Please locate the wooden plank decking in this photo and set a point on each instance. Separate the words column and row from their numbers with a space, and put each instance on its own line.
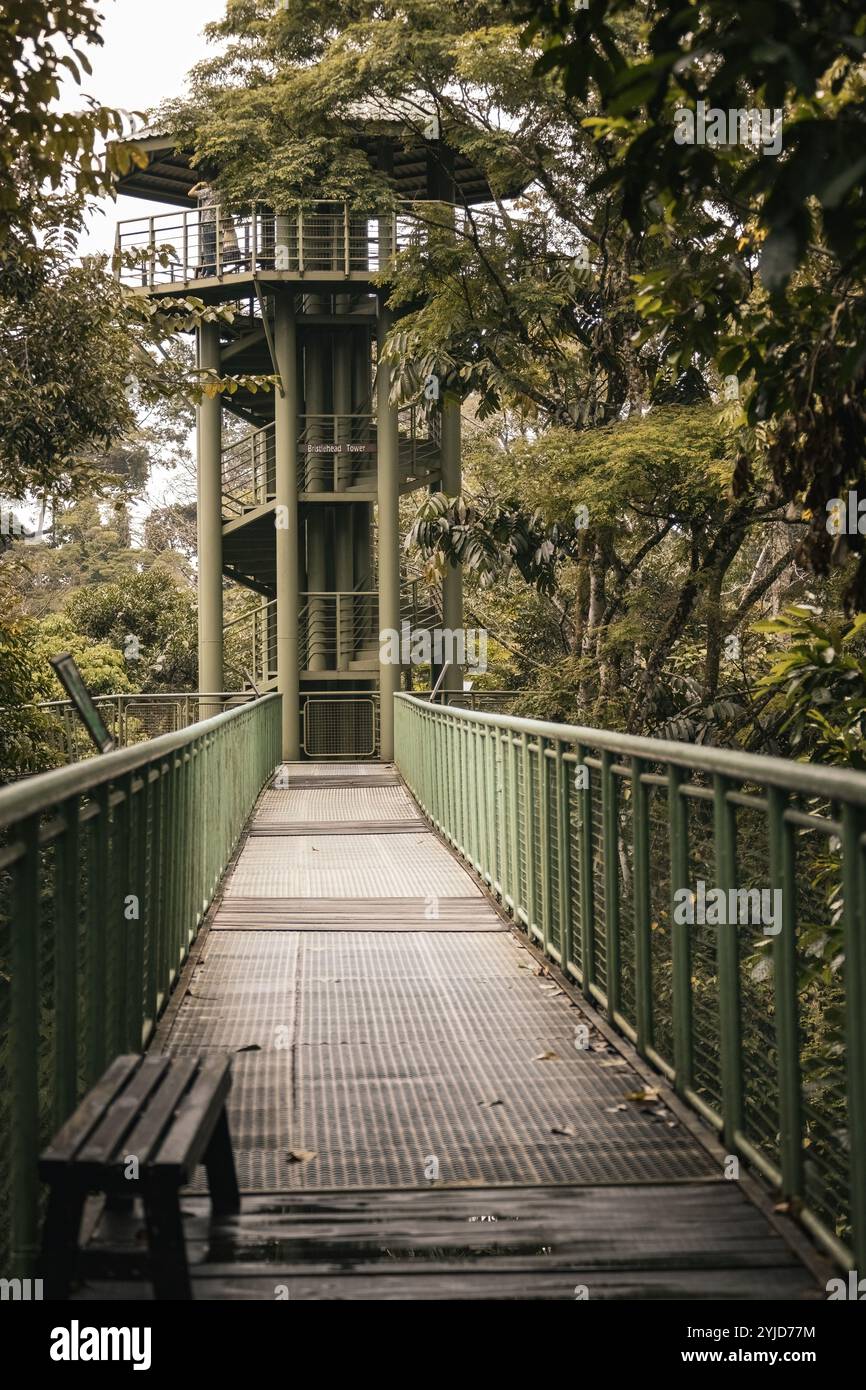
column 411, row 1117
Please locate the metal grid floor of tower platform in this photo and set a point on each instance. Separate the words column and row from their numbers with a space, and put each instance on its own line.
column 405, row 1073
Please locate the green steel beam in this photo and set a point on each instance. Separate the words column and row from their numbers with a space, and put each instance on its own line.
column 288, row 538
column 209, row 513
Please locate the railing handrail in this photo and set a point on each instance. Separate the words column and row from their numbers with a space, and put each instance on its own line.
column 46, row 789
column 832, row 783
column 253, row 611
column 133, row 695
column 403, row 207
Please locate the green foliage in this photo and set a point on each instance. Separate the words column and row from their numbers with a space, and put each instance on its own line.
column 769, row 285
column 41, row 145
column 148, row 619
column 820, row 681
column 103, row 668
column 25, row 733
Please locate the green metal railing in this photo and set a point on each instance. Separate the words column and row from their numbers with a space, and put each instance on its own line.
column 106, row 870
column 593, row 839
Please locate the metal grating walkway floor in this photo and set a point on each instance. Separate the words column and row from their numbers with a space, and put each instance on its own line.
column 391, row 1032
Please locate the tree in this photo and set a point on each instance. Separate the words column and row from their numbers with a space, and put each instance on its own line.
column 771, row 285
column 148, row 619
column 41, row 146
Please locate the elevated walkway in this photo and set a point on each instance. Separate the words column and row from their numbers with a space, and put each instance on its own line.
column 420, row 1108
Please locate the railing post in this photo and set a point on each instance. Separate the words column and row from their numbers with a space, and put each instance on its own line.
column 728, row 955
column 97, row 934
column 24, row 1045
column 610, row 855
column 528, row 833
column 563, row 825
column 587, row 896
column 854, row 929
column 681, row 962
column 546, row 846
column 642, row 909
column 785, row 989
column 66, row 908
column 514, row 842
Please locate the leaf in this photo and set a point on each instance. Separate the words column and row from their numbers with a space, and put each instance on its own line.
column 562, row 1129
column 548, row 1056
column 300, row 1155
column 647, row 1093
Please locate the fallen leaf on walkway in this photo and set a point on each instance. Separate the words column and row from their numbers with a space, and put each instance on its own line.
column 612, row 1109
column 614, row 1062
column 548, row 1056
column 300, row 1155
column 250, row 1047
column 562, row 1129
column 496, row 1101
column 648, row 1093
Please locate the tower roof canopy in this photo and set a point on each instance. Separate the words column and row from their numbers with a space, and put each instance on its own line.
column 418, row 169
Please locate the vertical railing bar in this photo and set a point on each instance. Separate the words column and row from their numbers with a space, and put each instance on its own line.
column 854, row 936
column 66, row 966
column 546, row 856
column 642, row 909
column 563, row 792
column 97, row 935
column 587, row 894
column 514, row 850
column 785, row 993
column 728, row 957
column 681, row 963
column 610, row 862
column 528, row 833
column 24, row 1016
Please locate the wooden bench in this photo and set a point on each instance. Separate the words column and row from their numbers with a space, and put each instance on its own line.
column 140, row 1131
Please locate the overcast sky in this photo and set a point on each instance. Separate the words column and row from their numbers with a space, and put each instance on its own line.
column 146, row 53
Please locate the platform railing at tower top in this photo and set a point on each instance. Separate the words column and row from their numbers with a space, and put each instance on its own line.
column 107, row 868
column 606, row 850
column 332, row 240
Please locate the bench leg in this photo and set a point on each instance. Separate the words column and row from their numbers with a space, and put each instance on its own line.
column 169, row 1269
column 60, row 1239
column 219, row 1161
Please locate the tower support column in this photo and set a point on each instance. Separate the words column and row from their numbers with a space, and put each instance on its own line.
column 388, row 472
column 209, row 526
column 286, row 517
column 452, row 582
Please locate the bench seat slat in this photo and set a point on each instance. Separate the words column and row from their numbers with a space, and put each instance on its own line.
column 103, row 1144
column 150, row 1130
column 187, row 1139
column 87, row 1116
